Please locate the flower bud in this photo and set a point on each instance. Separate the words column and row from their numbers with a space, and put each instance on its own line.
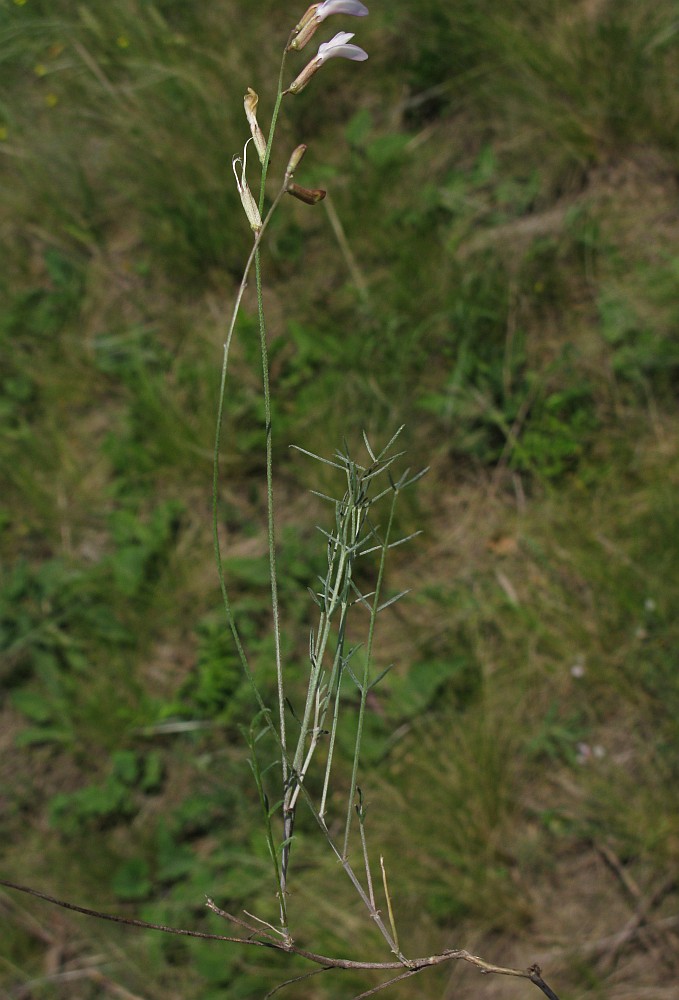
column 295, row 160
column 305, row 29
column 317, row 13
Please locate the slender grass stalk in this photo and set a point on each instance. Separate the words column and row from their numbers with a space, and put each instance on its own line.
column 390, row 910
column 364, row 847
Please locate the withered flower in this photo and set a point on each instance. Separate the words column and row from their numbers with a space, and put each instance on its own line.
column 250, row 102
column 247, row 200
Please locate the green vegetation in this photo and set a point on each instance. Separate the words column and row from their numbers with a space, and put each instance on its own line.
column 497, row 270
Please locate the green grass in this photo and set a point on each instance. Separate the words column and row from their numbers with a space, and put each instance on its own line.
column 505, row 179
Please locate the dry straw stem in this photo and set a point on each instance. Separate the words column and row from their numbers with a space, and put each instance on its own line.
column 412, row 966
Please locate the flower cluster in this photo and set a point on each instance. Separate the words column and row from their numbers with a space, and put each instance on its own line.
column 337, row 46
column 340, row 45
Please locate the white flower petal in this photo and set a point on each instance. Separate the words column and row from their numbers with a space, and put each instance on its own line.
column 329, row 7
column 338, row 46
column 341, row 38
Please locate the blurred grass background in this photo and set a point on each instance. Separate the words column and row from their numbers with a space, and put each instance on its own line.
column 505, row 175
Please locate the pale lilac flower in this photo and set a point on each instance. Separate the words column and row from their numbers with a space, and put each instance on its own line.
column 337, row 46
column 317, row 13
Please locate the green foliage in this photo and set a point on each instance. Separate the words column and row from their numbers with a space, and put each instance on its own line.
column 216, row 688
column 34, row 324
column 56, row 619
column 641, row 327
column 52, row 618
column 114, row 800
column 585, row 82
column 421, row 686
column 131, row 881
column 495, row 408
column 141, row 547
column 557, row 738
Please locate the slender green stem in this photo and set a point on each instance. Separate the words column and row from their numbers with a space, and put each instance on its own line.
column 272, row 130
column 271, row 527
column 217, row 546
column 336, row 683
column 288, row 819
column 215, row 460
column 365, row 686
column 254, row 257
column 316, row 670
column 266, row 812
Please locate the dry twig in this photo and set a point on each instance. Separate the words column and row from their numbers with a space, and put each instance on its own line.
column 408, row 967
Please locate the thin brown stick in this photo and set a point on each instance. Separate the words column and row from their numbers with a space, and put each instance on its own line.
column 131, row 921
column 536, row 977
column 415, row 965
